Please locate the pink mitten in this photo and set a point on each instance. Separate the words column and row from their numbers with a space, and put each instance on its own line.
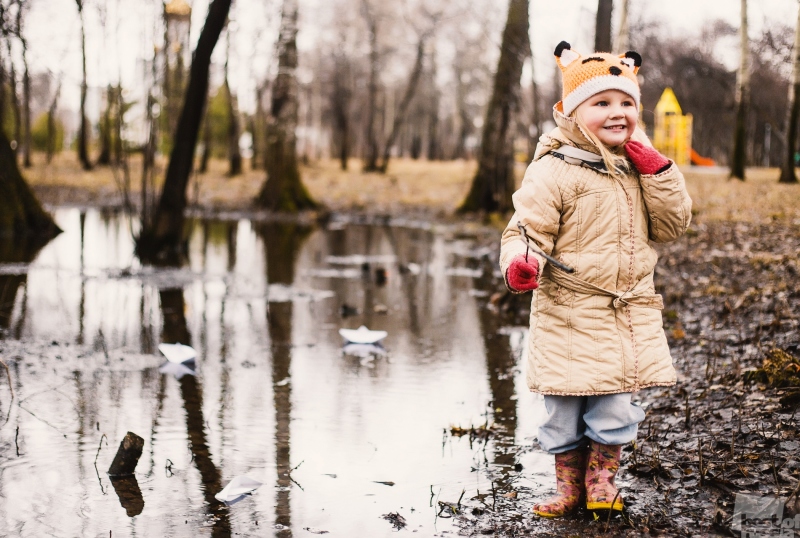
column 647, row 160
column 523, row 275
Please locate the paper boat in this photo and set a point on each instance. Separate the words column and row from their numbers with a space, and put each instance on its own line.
column 362, row 335
column 177, row 353
column 237, row 488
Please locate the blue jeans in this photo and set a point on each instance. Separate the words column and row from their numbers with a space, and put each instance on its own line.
column 611, row 419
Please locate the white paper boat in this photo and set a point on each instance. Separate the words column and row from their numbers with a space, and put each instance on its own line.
column 362, row 335
column 237, row 488
column 177, row 353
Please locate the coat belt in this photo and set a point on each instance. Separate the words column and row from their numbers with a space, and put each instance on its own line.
column 638, row 295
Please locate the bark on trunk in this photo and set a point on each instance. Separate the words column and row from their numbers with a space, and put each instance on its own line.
column 83, row 130
column 739, row 156
column 162, row 241
column 434, row 144
column 602, row 33
column 283, row 190
column 403, row 108
column 788, row 173
column 494, row 181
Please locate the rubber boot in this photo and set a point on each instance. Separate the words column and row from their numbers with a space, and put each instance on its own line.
column 570, row 469
column 601, row 468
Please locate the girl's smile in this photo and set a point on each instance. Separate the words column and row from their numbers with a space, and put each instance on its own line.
column 610, row 115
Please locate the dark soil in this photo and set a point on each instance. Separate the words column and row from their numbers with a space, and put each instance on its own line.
column 731, row 423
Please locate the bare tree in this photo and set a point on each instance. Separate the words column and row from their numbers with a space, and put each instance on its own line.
column 284, row 190
column 26, row 88
column 83, row 129
column 341, row 97
column 15, row 104
column 738, row 160
column 161, row 241
column 52, row 134
column 400, row 114
column 788, row 174
column 602, row 32
column 371, row 18
column 494, row 181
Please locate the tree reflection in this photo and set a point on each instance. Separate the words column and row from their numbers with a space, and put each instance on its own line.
column 282, row 243
column 21, row 251
column 176, row 330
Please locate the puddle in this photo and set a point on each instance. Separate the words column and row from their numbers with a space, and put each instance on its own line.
column 342, row 440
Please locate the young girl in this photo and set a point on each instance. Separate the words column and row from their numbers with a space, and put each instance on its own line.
column 594, row 196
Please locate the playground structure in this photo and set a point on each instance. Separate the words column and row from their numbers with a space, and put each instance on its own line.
column 673, row 132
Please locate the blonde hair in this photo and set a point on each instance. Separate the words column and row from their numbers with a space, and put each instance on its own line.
column 616, row 164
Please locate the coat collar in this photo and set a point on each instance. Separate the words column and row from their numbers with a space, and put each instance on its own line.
column 567, row 132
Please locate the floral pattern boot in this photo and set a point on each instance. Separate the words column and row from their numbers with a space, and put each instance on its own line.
column 570, row 469
column 601, row 468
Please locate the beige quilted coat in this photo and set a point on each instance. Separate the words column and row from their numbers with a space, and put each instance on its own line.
column 599, row 330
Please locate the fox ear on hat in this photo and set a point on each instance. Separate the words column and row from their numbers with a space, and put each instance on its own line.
column 565, row 55
column 632, row 59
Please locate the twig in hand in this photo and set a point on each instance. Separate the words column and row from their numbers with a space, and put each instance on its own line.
column 531, row 245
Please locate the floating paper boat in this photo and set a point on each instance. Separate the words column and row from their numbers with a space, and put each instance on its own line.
column 177, row 353
column 362, row 335
column 237, row 488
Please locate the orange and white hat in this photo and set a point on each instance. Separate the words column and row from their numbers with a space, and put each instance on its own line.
column 584, row 77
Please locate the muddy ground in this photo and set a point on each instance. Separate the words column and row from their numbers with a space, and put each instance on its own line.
column 731, row 423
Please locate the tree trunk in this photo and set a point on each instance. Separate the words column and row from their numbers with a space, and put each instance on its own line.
column 284, row 190
column 434, row 144
column 602, row 31
column 234, row 155
column 464, row 124
column 340, row 108
column 788, row 173
column 259, row 128
column 104, row 158
column 494, row 181
column 15, row 106
column 622, row 43
column 371, row 161
column 26, row 110
column 52, row 135
column 83, row 130
column 21, row 214
column 162, row 241
column 739, row 157
column 403, row 108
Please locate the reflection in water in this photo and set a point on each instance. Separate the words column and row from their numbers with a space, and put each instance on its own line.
column 129, row 493
column 14, row 251
column 377, row 418
column 282, row 243
column 176, row 330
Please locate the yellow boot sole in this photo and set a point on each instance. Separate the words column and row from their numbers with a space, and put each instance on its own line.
column 617, row 505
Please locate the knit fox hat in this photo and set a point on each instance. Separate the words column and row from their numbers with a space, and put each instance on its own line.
column 584, row 77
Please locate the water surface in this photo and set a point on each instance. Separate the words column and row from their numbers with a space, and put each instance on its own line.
column 339, row 440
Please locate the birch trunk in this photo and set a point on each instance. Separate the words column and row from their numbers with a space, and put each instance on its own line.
column 739, row 157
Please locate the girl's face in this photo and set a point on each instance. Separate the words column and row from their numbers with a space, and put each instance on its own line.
column 610, row 115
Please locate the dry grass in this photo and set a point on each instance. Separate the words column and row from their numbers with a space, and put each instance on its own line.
column 432, row 186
